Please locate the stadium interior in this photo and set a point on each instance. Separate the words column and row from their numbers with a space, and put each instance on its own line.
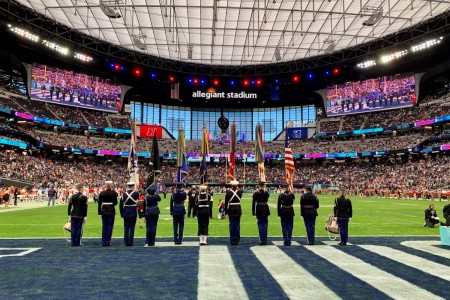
column 358, row 90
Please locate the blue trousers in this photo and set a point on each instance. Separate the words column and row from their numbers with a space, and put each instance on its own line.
column 107, row 229
column 129, row 223
column 287, row 224
column 76, row 226
column 343, row 229
column 51, row 199
column 151, row 223
column 310, row 225
column 235, row 229
column 263, row 223
column 178, row 227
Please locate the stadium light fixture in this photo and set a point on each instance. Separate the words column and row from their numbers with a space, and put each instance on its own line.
column 366, row 64
column 56, row 47
column 24, row 33
column 110, row 11
column 139, row 42
column 83, row 57
column 390, row 57
column 375, row 17
column 190, row 48
column 277, row 54
column 426, row 44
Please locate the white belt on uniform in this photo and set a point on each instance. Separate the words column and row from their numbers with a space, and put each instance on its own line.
column 235, row 203
column 203, row 206
column 107, row 203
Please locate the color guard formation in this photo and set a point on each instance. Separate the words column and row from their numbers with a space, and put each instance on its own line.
column 129, row 204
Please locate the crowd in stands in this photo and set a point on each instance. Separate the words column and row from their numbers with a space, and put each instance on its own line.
column 120, row 122
column 392, row 173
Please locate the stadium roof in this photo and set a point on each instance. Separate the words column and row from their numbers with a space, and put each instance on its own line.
column 237, row 33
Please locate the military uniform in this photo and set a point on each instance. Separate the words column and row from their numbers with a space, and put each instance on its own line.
column 106, row 202
column 151, row 211
column 343, row 212
column 77, row 211
column 128, row 211
column 286, row 213
column 202, row 204
column 260, row 209
column 178, row 212
column 234, row 211
column 308, row 210
column 193, row 194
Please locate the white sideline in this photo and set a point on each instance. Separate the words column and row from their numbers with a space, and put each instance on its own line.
column 24, row 252
column 428, row 247
column 410, row 260
column 217, row 276
column 385, row 282
column 293, row 279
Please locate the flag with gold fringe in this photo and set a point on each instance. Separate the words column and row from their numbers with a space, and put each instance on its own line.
column 133, row 170
column 232, row 152
column 289, row 163
column 205, row 152
column 183, row 170
column 259, row 153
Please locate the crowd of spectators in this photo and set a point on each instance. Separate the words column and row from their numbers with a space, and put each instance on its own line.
column 392, row 173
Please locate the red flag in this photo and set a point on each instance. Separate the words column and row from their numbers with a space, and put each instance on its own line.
column 232, row 151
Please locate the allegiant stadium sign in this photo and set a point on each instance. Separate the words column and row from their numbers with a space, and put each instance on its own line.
column 224, row 95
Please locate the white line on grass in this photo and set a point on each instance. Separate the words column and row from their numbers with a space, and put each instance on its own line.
column 428, row 247
column 217, row 276
column 385, row 282
column 410, row 260
column 293, row 279
column 24, row 251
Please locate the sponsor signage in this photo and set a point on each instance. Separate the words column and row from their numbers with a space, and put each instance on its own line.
column 146, row 131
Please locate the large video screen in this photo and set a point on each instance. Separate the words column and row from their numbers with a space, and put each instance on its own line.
column 75, row 89
column 386, row 92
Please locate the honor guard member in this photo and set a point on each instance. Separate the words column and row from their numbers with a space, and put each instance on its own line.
column 234, row 211
column 203, row 204
column 151, row 211
column 128, row 211
column 260, row 209
column 77, row 212
column 107, row 200
column 192, row 197
column 178, row 212
column 343, row 212
column 285, row 209
column 308, row 210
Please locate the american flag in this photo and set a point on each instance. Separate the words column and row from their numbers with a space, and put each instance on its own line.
column 289, row 163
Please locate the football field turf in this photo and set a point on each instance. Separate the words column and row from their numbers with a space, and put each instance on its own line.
column 391, row 256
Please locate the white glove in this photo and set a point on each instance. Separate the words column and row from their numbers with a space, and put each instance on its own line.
column 349, row 219
column 85, row 218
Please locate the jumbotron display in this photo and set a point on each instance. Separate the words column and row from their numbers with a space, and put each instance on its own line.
column 386, row 92
column 75, row 89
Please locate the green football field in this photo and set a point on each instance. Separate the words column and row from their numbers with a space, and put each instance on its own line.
column 371, row 217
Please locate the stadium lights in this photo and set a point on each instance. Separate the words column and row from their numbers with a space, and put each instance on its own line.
column 426, row 44
column 24, row 33
column 83, row 57
column 366, row 64
column 390, row 57
column 56, row 47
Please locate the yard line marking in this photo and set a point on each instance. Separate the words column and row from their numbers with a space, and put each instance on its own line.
column 217, row 275
column 292, row 278
column 281, row 243
column 334, row 243
column 411, row 260
column 385, row 282
column 24, row 252
column 428, row 246
column 172, row 244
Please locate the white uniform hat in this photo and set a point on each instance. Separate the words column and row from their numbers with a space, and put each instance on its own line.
column 203, row 187
column 109, row 182
column 131, row 183
column 234, row 182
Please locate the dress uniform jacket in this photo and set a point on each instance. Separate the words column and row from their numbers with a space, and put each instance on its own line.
column 79, row 205
column 106, row 202
column 285, row 207
column 177, row 203
column 260, row 207
column 309, row 205
column 232, row 203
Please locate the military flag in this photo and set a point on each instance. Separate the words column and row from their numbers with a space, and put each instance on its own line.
column 183, row 170
column 133, row 169
column 232, row 152
column 154, row 166
column 205, row 152
column 259, row 153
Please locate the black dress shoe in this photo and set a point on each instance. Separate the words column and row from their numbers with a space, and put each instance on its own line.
column 343, row 244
